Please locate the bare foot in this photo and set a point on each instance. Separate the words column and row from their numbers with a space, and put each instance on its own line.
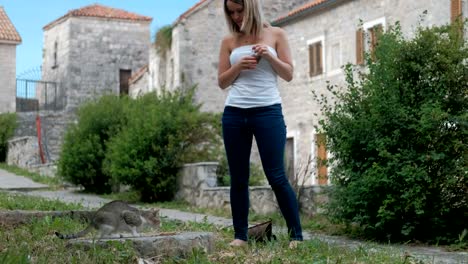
column 294, row 244
column 238, row 243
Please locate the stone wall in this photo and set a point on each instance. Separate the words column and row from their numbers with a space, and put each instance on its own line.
column 53, row 126
column 197, row 186
column 23, row 152
column 7, row 77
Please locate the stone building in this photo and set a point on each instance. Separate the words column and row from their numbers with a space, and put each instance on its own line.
column 323, row 38
column 9, row 39
column 88, row 52
column 341, row 32
column 93, row 51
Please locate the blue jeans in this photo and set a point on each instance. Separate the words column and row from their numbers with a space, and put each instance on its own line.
column 268, row 127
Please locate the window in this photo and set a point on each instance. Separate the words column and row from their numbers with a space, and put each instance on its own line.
column 55, row 65
column 367, row 39
column 315, row 58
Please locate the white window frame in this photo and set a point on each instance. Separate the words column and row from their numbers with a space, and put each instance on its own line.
column 324, row 60
column 370, row 24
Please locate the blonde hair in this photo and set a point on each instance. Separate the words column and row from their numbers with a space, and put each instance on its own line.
column 253, row 20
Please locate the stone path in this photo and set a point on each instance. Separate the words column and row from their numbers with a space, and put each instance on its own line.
column 19, row 184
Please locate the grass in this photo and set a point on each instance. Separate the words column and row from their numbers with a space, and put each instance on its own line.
column 36, row 243
column 53, row 182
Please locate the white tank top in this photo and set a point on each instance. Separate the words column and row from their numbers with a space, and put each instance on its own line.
column 256, row 87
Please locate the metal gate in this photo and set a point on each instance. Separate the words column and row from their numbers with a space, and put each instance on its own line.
column 34, row 95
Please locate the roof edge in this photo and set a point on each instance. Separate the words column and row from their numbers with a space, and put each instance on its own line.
column 191, row 11
column 2, row 41
column 298, row 13
column 72, row 13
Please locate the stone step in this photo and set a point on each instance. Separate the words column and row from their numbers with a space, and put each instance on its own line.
column 160, row 245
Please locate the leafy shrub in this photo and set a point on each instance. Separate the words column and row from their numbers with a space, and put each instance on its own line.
column 85, row 143
column 7, row 130
column 163, row 132
column 398, row 136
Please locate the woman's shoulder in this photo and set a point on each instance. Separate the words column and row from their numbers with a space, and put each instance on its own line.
column 276, row 31
column 229, row 41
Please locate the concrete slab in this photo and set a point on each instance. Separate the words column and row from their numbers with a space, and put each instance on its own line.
column 160, row 245
column 11, row 182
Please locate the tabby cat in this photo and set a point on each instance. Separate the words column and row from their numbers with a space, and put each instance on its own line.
column 117, row 216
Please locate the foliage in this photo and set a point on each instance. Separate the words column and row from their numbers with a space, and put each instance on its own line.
column 398, row 136
column 257, row 176
column 7, row 130
column 164, row 132
column 53, row 182
column 163, row 39
column 85, row 143
column 10, row 201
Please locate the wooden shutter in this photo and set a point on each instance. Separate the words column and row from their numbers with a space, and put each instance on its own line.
column 315, row 59
column 311, row 61
column 318, row 58
column 322, row 169
column 360, row 46
column 455, row 9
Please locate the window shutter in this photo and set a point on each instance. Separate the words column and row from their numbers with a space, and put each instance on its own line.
column 455, row 9
column 315, row 59
column 360, row 47
column 311, row 60
column 319, row 61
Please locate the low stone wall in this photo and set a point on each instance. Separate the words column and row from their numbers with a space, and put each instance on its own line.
column 48, row 169
column 197, row 185
column 23, row 152
column 262, row 199
column 195, row 177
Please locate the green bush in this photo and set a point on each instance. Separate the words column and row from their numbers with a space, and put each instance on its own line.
column 7, row 130
column 163, row 132
column 85, row 143
column 398, row 135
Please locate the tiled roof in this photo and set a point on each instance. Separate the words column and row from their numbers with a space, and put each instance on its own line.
column 303, row 9
column 191, row 10
column 138, row 74
column 7, row 30
column 101, row 11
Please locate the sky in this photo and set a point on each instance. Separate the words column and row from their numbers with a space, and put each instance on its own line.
column 30, row 16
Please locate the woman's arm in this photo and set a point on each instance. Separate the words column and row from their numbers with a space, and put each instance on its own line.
column 227, row 73
column 283, row 63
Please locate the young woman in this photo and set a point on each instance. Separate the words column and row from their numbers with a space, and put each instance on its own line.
column 251, row 58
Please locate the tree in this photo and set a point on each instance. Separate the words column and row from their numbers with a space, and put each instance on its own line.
column 398, row 135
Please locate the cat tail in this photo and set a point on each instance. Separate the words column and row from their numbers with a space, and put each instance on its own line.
column 76, row 235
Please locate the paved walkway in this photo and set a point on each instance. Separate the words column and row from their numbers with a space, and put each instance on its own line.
column 19, row 184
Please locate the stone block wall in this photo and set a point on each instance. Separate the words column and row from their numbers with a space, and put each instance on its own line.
column 23, row 152
column 195, row 177
column 7, row 77
column 197, row 186
column 53, row 126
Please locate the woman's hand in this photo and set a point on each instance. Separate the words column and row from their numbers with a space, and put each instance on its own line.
column 261, row 51
column 247, row 63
